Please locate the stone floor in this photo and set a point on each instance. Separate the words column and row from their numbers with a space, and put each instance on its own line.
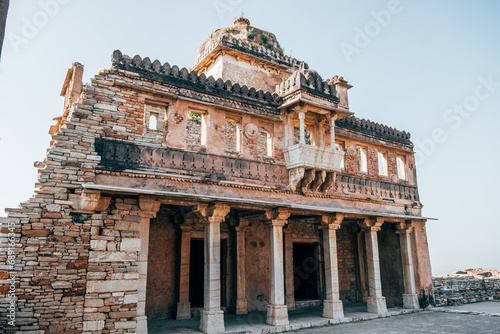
column 254, row 323
column 465, row 319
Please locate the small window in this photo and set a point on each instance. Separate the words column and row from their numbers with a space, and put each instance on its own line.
column 232, row 135
column 401, row 164
column 382, row 164
column 362, row 159
column 340, row 147
column 196, row 129
column 153, row 122
column 265, row 144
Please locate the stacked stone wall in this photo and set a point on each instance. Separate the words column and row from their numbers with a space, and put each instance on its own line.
column 449, row 290
column 346, row 257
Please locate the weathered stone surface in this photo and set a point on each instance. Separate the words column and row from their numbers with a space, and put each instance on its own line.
column 111, row 286
column 96, row 256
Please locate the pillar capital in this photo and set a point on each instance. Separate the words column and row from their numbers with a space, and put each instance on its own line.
column 277, row 217
column 244, row 222
column 89, row 201
column 331, row 222
column 212, row 213
column 149, row 206
column 404, row 227
column 372, row 224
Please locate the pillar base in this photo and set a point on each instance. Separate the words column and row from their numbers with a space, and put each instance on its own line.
column 410, row 301
column 290, row 301
column 183, row 310
column 142, row 325
column 241, row 306
column 212, row 321
column 333, row 309
column 277, row 315
column 376, row 305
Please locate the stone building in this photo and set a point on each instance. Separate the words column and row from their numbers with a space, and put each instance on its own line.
column 245, row 184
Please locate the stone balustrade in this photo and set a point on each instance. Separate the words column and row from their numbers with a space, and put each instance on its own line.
column 310, row 156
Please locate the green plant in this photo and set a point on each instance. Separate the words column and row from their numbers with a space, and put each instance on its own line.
column 264, row 38
column 280, row 50
column 80, row 218
column 194, row 116
column 250, row 34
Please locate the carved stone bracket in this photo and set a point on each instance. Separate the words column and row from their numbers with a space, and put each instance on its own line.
column 277, row 217
column 89, row 201
column 331, row 222
column 371, row 224
column 211, row 213
column 404, row 227
column 149, row 206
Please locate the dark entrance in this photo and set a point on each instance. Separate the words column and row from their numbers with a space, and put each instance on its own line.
column 197, row 272
column 305, row 270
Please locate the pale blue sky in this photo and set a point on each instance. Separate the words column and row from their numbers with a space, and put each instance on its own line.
column 409, row 73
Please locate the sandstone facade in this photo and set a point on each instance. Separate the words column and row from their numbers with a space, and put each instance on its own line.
column 168, row 193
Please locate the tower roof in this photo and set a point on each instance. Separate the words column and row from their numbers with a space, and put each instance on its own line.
column 243, row 38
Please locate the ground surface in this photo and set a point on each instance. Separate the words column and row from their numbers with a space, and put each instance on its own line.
column 466, row 319
column 470, row 318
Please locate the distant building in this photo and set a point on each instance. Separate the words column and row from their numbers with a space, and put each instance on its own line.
column 244, row 184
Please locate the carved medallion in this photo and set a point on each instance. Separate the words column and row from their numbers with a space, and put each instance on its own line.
column 251, row 131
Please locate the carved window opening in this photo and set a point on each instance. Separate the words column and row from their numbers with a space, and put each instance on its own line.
column 340, row 146
column 401, row 165
column 232, row 135
column 196, row 129
column 362, row 159
column 296, row 136
column 382, row 164
column 265, row 144
column 153, row 122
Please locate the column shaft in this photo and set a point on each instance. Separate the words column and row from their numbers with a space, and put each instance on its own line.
column 410, row 298
column 212, row 317
column 149, row 208
column 332, row 305
column 289, row 286
column 277, row 313
column 376, row 302
column 302, row 117
column 241, row 301
column 184, row 306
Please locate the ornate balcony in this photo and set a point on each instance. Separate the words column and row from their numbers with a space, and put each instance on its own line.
column 310, row 156
column 312, row 167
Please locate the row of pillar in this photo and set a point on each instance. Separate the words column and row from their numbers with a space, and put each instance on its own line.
column 212, row 320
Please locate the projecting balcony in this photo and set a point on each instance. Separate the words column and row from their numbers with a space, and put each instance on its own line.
column 312, row 167
column 310, row 156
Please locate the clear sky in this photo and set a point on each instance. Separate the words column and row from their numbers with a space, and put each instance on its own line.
column 427, row 67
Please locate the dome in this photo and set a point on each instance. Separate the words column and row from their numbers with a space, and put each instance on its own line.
column 244, row 32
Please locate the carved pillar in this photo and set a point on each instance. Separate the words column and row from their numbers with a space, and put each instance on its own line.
column 212, row 317
column 332, row 305
column 289, row 286
column 375, row 302
column 184, row 306
column 241, row 298
column 277, row 312
column 410, row 298
column 332, row 131
column 149, row 208
column 302, row 116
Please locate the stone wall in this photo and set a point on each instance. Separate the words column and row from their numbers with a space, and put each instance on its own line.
column 463, row 289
